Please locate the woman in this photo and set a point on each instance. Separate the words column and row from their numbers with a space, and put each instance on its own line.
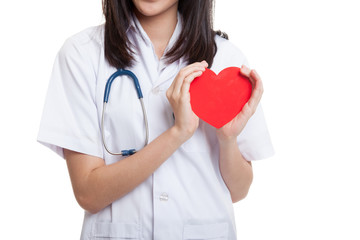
column 183, row 183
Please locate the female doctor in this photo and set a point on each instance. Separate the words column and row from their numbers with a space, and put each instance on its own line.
column 181, row 185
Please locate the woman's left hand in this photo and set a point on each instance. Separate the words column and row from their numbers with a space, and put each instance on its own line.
column 232, row 129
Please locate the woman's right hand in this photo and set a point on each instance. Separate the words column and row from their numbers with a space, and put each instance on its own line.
column 186, row 122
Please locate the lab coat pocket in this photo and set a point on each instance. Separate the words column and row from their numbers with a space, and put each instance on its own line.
column 216, row 231
column 106, row 231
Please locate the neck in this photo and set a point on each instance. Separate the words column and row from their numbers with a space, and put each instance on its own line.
column 159, row 28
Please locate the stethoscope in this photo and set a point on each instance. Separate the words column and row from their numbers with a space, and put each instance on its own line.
column 118, row 73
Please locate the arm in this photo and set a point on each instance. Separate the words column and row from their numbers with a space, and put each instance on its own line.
column 235, row 169
column 97, row 185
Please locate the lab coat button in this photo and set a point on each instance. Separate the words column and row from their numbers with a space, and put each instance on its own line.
column 164, row 197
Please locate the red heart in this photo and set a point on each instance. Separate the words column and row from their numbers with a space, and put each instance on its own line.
column 217, row 99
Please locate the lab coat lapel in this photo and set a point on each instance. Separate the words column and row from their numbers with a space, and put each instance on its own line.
column 147, row 59
column 168, row 72
column 145, row 55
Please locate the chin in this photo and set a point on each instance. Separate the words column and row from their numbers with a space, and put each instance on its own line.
column 154, row 7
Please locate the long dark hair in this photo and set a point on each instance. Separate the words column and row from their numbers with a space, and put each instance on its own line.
column 196, row 41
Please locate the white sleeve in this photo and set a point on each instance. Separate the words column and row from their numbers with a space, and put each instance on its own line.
column 254, row 141
column 70, row 118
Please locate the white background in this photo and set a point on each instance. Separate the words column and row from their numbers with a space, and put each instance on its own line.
column 308, row 54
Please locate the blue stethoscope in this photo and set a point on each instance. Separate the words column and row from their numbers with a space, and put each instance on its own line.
column 118, row 73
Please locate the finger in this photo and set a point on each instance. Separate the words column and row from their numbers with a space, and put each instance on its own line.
column 204, row 63
column 244, row 115
column 254, row 76
column 257, row 90
column 245, row 71
column 183, row 73
column 187, row 81
column 196, row 64
column 176, row 84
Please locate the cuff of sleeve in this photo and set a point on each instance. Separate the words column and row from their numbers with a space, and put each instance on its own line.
column 263, row 153
column 58, row 142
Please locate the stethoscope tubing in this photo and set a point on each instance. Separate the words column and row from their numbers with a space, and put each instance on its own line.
column 116, row 74
column 109, row 82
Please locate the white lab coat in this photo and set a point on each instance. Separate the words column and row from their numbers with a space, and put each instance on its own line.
column 186, row 197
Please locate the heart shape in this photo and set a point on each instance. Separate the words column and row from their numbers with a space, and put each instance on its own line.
column 217, row 99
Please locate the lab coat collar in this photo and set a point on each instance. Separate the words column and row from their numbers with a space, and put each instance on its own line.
column 160, row 71
column 176, row 33
column 136, row 27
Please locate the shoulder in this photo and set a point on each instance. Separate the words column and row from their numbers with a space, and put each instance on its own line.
column 84, row 49
column 87, row 41
column 228, row 54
